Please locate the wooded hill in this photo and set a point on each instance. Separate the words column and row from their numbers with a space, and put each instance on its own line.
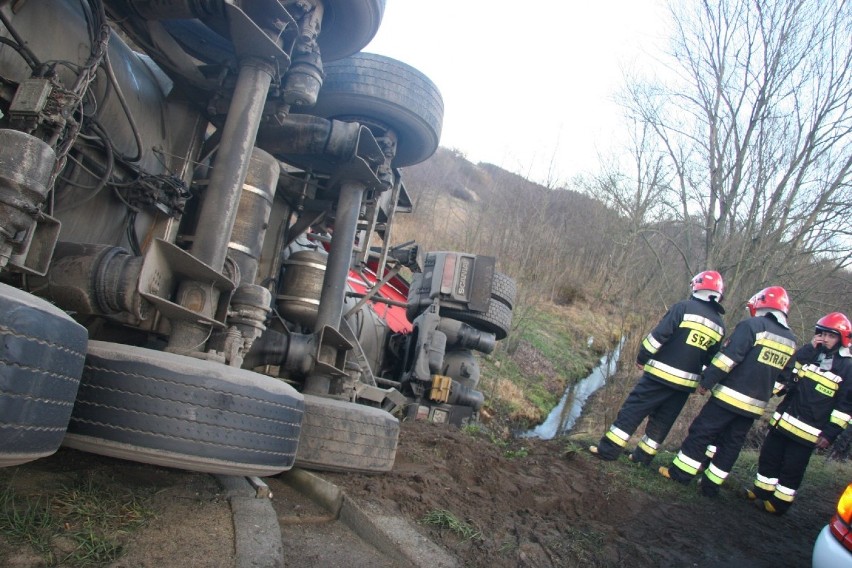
column 563, row 244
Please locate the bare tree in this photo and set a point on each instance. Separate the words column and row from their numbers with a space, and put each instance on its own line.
column 754, row 118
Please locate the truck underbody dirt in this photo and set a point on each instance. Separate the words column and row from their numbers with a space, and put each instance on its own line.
column 197, row 266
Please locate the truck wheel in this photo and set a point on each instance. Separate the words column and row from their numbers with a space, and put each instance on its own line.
column 347, row 27
column 497, row 319
column 41, row 360
column 374, row 89
column 175, row 411
column 504, row 289
column 344, row 436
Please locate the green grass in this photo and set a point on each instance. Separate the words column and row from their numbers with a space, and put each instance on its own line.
column 556, row 341
column 516, row 454
column 555, row 338
column 91, row 516
column 443, row 519
column 28, row 521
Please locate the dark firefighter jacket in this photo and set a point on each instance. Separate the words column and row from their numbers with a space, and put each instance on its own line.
column 818, row 399
column 683, row 343
column 743, row 373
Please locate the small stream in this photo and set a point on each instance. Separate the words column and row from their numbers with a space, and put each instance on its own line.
column 560, row 421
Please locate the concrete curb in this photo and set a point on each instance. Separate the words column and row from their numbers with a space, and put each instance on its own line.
column 392, row 535
column 257, row 536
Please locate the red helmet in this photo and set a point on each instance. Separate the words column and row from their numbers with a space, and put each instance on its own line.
column 773, row 298
column 750, row 305
column 839, row 324
column 711, row 281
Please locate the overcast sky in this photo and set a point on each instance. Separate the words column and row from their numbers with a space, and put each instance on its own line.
column 525, row 83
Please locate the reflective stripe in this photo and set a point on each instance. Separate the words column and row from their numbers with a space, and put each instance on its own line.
column 723, row 362
column 739, row 400
column 651, row 344
column 706, row 322
column 775, row 341
column 834, row 378
column 703, row 325
column 715, row 474
column 672, row 375
column 766, row 483
column 618, row 436
column 785, row 493
column 776, row 388
column 824, row 378
column 686, row 463
column 710, row 451
column 798, row 428
column 648, row 445
column 774, row 420
column 840, row 418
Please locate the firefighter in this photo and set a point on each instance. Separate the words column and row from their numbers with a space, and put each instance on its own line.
column 815, row 410
column 741, row 377
column 672, row 357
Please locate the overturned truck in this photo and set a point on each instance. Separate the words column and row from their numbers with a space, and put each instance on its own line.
column 196, row 261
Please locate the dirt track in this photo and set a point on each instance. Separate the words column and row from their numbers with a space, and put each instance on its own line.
column 547, row 507
column 558, row 508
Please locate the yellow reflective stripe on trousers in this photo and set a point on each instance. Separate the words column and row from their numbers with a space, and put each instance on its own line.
column 710, row 451
column 686, row 463
column 767, row 483
column 671, row 375
column 776, row 342
column 703, row 325
column 798, row 428
column 617, row 436
column 648, row 445
column 723, row 362
column 785, row 493
column 715, row 474
column 840, row 418
column 739, row 400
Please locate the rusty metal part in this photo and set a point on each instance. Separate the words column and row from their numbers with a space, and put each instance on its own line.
column 253, row 213
column 90, row 279
column 26, row 166
column 301, row 287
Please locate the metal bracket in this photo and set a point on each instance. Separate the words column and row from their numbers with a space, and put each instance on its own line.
column 164, row 267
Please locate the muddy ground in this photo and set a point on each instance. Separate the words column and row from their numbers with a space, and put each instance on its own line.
column 530, row 503
column 555, row 505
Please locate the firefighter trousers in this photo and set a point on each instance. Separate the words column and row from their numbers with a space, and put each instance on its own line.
column 780, row 469
column 650, row 399
column 718, row 425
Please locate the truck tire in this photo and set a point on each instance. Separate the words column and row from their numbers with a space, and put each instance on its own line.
column 344, row 436
column 504, row 289
column 41, row 361
column 497, row 319
column 347, row 27
column 373, row 89
column 175, row 411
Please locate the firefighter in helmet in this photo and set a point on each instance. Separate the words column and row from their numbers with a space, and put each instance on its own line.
column 741, row 377
column 672, row 357
column 817, row 390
